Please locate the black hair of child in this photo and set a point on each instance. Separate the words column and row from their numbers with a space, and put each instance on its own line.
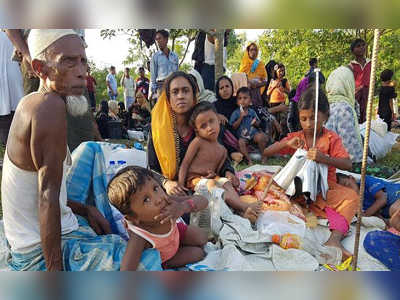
column 277, row 67
column 312, row 61
column 341, row 176
column 354, row 44
column 307, row 100
column 200, row 108
column 243, row 90
column 386, row 75
column 125, row 184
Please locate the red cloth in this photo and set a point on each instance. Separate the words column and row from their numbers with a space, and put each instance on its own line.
column 90, row 82
column 362, row 75
column 329, row 143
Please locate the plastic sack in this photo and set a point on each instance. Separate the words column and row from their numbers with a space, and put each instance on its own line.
column 380, row 127
column 380, row 146
column 132, row 157
column 280, row 222
column 136, row 135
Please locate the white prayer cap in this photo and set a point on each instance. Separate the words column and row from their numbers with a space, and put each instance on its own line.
column 40, row 39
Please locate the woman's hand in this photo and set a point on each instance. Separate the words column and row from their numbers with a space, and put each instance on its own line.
column 173, row 188
column 172, row 211
column 295, row 143
column 232, row 178
column 283, row 108
column 97, row 221
column 278, row 126
column 316, row 155
column 222, row 119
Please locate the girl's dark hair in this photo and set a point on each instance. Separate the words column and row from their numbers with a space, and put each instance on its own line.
column 125, row 184
column 170, row 78
column 386, row 75
column 307, row 101
column 279, row 66
column 200, row 108
column 216, row 87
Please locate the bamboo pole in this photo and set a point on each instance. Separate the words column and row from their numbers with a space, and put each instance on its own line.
column 375, row 50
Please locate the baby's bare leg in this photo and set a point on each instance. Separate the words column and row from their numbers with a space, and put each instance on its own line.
column 394, row 213
column 191, row 249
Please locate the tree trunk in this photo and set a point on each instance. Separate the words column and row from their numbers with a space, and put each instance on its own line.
column 219, row 53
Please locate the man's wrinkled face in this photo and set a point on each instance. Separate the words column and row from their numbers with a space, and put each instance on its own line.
column 65, row 70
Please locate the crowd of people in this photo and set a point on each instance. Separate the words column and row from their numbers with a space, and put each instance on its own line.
column 253, row 111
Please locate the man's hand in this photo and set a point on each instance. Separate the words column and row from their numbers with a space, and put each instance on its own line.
column 97, row 221
column 173, row 188
column 26, row 60
column 172, row 211
column 232, row 178
column 316, row 155
column 394, row 117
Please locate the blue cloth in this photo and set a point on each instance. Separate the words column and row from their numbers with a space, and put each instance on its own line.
column 254, row 65
column 84, row 250
column 385, row 247
column 373, row 185
column 245, row 129
column 113, row 82
column 161, row 66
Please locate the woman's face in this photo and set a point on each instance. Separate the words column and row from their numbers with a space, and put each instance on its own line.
column 253, row 52
column 225, row 89
column 181, row 96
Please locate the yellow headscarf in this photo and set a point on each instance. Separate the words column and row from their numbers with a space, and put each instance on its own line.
column 165, row 137
column 162, row 129
column 246, row 66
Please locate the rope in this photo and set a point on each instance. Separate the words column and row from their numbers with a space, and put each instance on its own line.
column 375, row 50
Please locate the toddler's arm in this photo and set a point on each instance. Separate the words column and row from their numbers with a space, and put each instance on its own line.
column 380, row 202
column 133, row 252
column 238, row 122
column 190, row 154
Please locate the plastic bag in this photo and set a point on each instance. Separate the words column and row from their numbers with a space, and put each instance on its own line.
column 280, row 222
column 136, row 135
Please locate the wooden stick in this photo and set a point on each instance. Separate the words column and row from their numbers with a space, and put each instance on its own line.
column 268, row 186
column 377, row 34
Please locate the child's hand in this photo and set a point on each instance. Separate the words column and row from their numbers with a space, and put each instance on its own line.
column 211, row 175
column 172, row 211
column 254, row 121
column 315, row 155
column 295, row 143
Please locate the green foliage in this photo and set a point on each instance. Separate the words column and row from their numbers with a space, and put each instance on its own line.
column 235, row 51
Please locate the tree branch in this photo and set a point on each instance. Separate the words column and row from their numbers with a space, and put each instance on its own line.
column 190, row 40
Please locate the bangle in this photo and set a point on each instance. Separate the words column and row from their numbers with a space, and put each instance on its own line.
column 191, row 204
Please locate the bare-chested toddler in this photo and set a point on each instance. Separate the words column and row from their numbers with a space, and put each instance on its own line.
column 205, row 158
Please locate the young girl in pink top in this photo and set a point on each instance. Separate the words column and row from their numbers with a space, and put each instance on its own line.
column 151, row 220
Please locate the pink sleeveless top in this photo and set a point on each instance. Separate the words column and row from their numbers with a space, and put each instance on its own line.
column 167, row 244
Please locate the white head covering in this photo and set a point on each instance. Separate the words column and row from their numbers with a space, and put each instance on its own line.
column 40, row 39
column 203, row 95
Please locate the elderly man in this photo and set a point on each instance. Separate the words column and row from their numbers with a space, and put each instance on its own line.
column 44, row 229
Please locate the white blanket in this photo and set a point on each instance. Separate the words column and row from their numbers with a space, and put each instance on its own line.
column 241, row 248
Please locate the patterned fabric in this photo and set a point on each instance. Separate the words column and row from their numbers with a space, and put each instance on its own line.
column 266, row 119
column 385, row 247
column 343, row 123
column 84, row 250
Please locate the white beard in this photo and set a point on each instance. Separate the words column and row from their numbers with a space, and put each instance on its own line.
column 77, row 106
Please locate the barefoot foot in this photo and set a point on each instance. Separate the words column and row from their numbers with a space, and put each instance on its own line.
column 336, row 243
column 251, row 215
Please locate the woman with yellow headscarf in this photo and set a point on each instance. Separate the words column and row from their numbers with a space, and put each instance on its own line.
column 171, row 134
column 256, row 74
